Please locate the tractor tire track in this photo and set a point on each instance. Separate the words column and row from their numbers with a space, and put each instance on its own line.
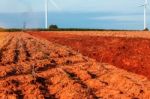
column 4, row 47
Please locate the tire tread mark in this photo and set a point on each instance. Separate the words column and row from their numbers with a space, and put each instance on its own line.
column 3, row 48
column 16, row 52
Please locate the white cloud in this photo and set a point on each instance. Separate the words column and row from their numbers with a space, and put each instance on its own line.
column 120, row 18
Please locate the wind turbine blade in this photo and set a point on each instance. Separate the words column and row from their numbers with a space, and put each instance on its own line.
column 141, row 6
column 146, row 2
column 55, row 4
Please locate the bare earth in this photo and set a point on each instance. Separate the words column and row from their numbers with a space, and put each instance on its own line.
column 129, row 50
column 32, row 68
column 130, row 34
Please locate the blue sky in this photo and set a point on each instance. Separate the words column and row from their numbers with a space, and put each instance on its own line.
column 107, row 14
column 71, row 5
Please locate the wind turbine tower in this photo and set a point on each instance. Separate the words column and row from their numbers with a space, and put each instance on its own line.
column 46, row 14
column 145, row 14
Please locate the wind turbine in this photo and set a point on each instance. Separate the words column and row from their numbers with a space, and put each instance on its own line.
column 145, row 5
column 46, row 14
column 145, row 14
column 46, row 11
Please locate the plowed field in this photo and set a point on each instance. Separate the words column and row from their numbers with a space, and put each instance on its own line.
column 129, row 50
column 32, row 68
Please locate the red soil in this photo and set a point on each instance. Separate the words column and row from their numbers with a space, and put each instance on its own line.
column 32, row 68
column 132, row 54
